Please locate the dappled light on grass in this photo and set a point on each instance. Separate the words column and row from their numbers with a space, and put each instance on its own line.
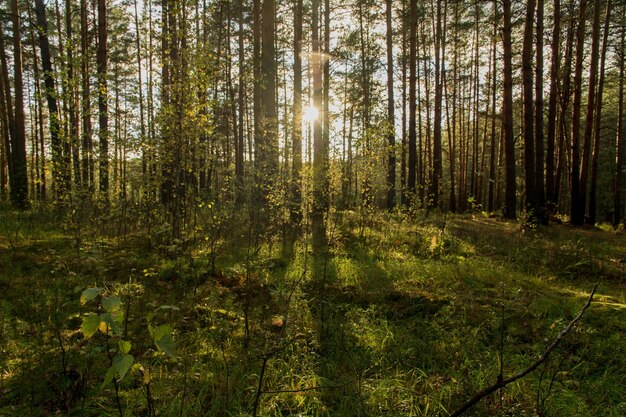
column 404, row 320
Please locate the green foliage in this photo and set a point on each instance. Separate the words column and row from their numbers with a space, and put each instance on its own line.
column 406, row 316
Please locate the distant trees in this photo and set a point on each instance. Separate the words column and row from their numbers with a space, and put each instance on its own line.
column 208, row 101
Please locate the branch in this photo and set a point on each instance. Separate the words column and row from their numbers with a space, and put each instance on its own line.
column 501, row 383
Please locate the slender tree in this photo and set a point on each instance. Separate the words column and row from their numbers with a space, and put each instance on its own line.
column 412, row 168
column 103, row 115
column 391, row 138
column 510, row 199
column 19, row 177
column 593, row 187
column 577, row 210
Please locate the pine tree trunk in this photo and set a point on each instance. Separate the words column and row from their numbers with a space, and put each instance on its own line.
column 19, row 180
column 510, row 199
column 577, row 209
column 103, row 117
column 593, row 187
column 552, row 107
column 391, row 139
column 591, row 104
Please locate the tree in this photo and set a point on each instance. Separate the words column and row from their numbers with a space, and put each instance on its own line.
column 391, row 119
column 103, row 115
column 581, row 199
column 412, row 168
column 593, row 188
column 577, row 210
column 529, row 140
column 19, row 177
column 619, row 135
column 437, row 169
column 510, row 199
column 552, row 105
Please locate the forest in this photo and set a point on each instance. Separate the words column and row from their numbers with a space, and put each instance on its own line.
column 312, row 208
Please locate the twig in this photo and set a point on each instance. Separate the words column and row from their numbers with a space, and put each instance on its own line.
column 501, row 383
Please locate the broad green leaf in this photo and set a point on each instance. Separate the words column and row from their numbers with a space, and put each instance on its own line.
column 122, row 364
column 124, row 346
column 163, row 340
column 161, row 331
column 109, row 376
column 112, row 322
column 111, row 304
column 89, row 294
column 90, row 325
column 166, row 344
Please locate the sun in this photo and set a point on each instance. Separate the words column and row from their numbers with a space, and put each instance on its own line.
column 310, row 113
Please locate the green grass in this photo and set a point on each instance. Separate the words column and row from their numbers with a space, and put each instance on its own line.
column 405, row 317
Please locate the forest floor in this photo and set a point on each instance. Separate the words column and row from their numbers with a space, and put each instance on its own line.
column 403, row 317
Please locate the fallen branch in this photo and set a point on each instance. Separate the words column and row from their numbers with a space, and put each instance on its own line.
column 503, row 382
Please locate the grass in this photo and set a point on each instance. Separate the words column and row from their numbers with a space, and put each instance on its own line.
column 404, row 317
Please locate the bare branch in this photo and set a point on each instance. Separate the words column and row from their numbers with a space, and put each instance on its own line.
column 501, row 383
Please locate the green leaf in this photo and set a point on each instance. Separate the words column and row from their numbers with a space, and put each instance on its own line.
column 124, row 346
column 113, row 323
column 111, row 304
column 166, row 344
column 161, row 331
column 163, row 340
column 168, row 307
column 90, row 325
column 89, row 294
column 122, row 364
column 109, row 376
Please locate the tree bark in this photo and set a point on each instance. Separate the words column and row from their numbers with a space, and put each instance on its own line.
column 577, row 209
column 619, row 137
column 552, row 106
column 391, row 139
column 510, row 199
column 593, row 188
column 103, row 116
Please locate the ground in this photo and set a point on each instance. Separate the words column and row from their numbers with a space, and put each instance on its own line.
column 405, row 316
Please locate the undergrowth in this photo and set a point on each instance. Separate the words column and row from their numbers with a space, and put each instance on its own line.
column 403, row 317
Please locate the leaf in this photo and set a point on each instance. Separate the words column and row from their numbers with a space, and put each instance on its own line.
column 109, row 376
column 163, row 340
column 88, row 295
column 168, row 307
column 111, row 304
column 90, row 325
column 112, row 323
column 166, row 344
column 161, row 331
column 122, row 364
column 124, row 346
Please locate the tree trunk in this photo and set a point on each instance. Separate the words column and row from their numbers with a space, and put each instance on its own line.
column 619, row 136
column 552, row 106
column 593, row 191
column 19, row 179
column 87, row 144
column 577, row 211
column 103, row 117
column 391, row 138
column 591, row 103
column 492, row 148
column 540, row 195
column 510, row 199
column 437, row 170
column 412, row 105
column 529, row 140
column 239, row 151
